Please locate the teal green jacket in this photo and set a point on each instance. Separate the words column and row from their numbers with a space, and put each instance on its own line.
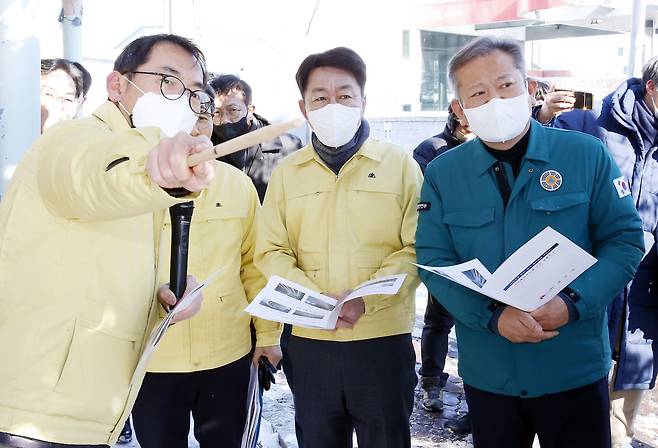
column 463, row 217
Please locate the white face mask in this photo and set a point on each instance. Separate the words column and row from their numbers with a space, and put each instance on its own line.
column 171, row 116
column 499, row 120
column 335, row 124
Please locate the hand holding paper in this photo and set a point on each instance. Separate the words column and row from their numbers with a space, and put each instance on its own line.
column 530, row 277
column 284, row 301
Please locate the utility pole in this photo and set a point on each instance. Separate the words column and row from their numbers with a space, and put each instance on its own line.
column 19, row 83
column 637, row 38
column 71, row 20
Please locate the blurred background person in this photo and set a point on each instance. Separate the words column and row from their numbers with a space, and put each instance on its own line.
column 437, row 321
column 64, row 88
column 630, row 131
column 235, row 116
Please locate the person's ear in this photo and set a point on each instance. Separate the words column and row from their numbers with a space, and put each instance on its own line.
column 363, row 107
column 115, row 86
column 302, row 108
column 459, row 111
column 650, row 86
column 532, row 87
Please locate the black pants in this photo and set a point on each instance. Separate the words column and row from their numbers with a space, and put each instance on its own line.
column 434, row 340
column 217, row 399
column 287, row 370
column 573, row 418
column 367, row 386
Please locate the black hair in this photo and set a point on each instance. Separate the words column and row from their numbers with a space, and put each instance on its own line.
column 80, row 76
column 223, row 84
column 340, row 57
column 138, row 51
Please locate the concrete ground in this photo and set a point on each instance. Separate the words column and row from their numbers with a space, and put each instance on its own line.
column 426, row 428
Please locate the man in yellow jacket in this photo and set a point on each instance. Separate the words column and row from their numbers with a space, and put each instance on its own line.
column 202, row 366
column 79, row 239
column 338, row 212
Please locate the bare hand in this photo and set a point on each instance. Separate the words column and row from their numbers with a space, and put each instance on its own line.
column 167, row 299
column 518, row 326
column 555, row 103
column 351, row 312
column 167, row 163
column 552, row 315
column 272, row 353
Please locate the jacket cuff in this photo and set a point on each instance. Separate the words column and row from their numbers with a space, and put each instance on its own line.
column 269, row 337
column 493, row 321
column 567, row 296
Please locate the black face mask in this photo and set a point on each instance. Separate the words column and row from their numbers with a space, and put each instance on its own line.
column 227, row 131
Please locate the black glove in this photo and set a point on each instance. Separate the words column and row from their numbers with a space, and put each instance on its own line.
column 265, row 373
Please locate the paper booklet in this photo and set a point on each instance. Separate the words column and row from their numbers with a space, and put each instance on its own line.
column 159, row 331
column 284, row 301
column 530, row 277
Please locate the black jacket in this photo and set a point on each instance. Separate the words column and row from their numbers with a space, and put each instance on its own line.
column 430, row 148
column 259, row 161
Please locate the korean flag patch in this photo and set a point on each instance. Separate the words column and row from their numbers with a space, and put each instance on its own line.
column 621, row 184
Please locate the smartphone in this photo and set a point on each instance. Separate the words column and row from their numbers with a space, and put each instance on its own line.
column 584, row 100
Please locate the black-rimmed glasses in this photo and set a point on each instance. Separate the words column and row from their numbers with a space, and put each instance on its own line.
column 173, row 88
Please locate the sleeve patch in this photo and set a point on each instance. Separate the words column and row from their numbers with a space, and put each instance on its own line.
column 622, row 187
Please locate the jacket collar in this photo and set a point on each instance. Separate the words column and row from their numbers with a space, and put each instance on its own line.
column 483, row 160
column 368, row 149
column 109, row 114
column 621, row 102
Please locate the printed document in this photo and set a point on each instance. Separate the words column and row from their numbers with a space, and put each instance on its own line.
column 530, row 277
column 284, row 301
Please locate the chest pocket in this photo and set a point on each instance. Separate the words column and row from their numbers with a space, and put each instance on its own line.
column 559, row 202
column 568, row 213
column 471, row 230
column 216, row 237
column 375, row 211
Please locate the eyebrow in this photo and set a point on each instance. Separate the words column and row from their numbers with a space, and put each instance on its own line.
column 175, row 72
column 343, row 87
column 500, row 78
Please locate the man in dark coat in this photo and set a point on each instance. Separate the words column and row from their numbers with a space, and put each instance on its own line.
column 630, row 130
column 235, row 116
column 438, row 322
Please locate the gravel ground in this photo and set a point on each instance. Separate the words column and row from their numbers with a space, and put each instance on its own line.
column 426, row 428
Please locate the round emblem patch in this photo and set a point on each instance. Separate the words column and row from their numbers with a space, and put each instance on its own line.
column 550, row 180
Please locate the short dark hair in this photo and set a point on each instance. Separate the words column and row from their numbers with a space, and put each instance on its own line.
column 340, row 57
column 650, row 72
column 484, row 46
column 223, row 84
column 138, row 51
column 80, row 76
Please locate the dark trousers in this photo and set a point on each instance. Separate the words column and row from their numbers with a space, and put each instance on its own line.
column 287, row 370
column 573, row 418
column 367, row 386
column 217, row 399
column 434, row 340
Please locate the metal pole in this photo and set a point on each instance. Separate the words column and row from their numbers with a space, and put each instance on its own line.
column 71, row 19
column 637, row 38
column 19, row 83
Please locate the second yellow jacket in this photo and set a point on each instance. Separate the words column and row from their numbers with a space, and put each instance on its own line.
column 222, row 236
column 331, row 232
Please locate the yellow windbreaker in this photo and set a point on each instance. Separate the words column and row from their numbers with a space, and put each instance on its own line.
column 78, row 255
column 222, row 235
column 331, row 232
